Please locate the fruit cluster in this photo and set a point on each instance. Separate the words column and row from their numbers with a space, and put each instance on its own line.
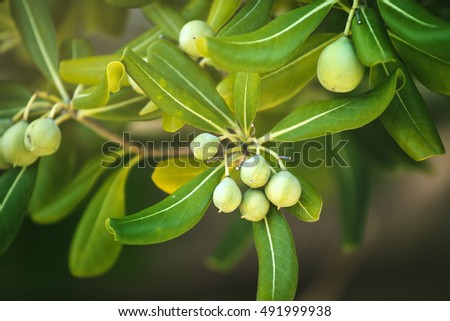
column 21, row 144
column 282, row 189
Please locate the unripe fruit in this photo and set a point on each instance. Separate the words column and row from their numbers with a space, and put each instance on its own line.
column 3, row 163
column 227, row 195
column 338, row 67
column 205, row 146
column 13, row 146
column 42, row 137
column 283, row 189
column 190, row 32
column 255, row 171
column 254, row 206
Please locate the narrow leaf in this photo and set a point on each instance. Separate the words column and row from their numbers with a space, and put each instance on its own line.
column 171, row 124
column 277, row 258
column 407, row 118
column 93, row 251
column 16, row 187
column 254, row 51
column 166, row 18
column 129, row 3
column 13, row 97
column 253, row 15
column 140, row 44
column 247, row 89
column 309, row 207
column 172, row 173
column 319, row 118
column 101, row 18
column 233, row 245
column 170, row 218
column 221, row 11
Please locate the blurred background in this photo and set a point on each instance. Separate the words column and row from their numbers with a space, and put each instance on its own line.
column 404, row 255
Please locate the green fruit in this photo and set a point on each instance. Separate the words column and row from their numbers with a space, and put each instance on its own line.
column 255, row 172
column 227, row 195
column 338, row 67
column 3, row 163
column 190, row 32
column 13, row 146
column 283, row 189
column 205, row 146
column 43, row 137
column 254, row 206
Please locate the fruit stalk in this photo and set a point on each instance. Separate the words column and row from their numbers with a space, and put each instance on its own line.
column 350, row 17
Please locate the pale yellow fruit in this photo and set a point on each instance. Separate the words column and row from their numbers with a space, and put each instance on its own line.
column 283, row 189
column 13, row 146
column 205, row 146
column 227, row 195
column 190, row 32
column 255, row 172
column 338, row 67
column 42, row 137
column 254, row 206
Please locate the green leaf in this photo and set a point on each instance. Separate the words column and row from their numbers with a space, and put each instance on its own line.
column 123, row 106
column 196, row 9
column 221, row 11
column 171, row 124
column 93, row 251
column 333, row 116
column 172, row 173
column 76, row 48
column 309, row 207
column 86, row 70
column 166, row 18
column 422, row 41
column 233, row 245
column 371, row 39
column 13, row 97
column 98, row 96
column 253, row 15
column 16, row 187
column 35, row 25
column 354, row 185
column 246, row 98
column 178, row 86
column 129, row 3
column 254, row 51
column 407, row 118
column 277, row 258
column 170, row 218
column 140, row 44
column 71, row 195
column 101, row 18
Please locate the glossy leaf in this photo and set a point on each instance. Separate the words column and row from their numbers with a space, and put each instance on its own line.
column 354, row 186
column 422, row 41
column 254, row 51
column 232, row 246
column 98, row 96
column 309, row 207
column 172, row 173
column 370, row 38
column 166, row 18
column 34, row 22
column 171, row 124
column 247, row 88
column 407, row 118
column 93, row 251
column 129, row 3
column 333, row 116
column 123, row 106
column 16, row 187
column 221, row 11
column 170, row 218
column 253, row 15
column 86, row 70
column 71, row 195
column 168, row 79
column 277, row 258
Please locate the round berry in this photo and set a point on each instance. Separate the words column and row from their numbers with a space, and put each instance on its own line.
column 13, row 146
column 190, row 32
column 283, row 189
column 42, row 137
column 254, row 206
column 227, row 195
column 255, row 172
column 205, row 146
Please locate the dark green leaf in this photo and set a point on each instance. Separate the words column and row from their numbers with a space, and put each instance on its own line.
column 371, row 39
column 233, row 245
column 196, row 10
column 101, row 18
column 13, row 97
column 407, row 118
column 255, row 51
column 170, row 218
column 16, row 187
column 166, row 18
column 277, row 258
column 309, row 207
column 247, row 88
column 93, row 251
column 253, row 15
column 319, row 118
